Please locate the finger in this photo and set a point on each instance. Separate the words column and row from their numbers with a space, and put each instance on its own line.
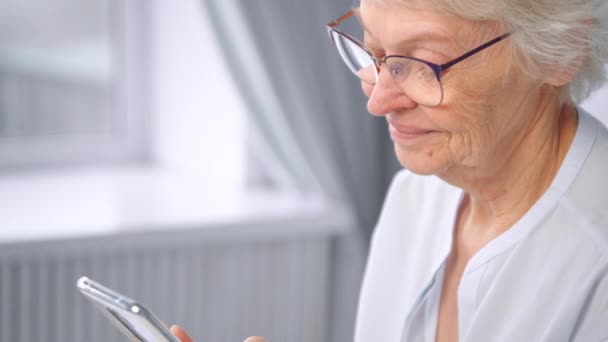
column 255, row 339
column 180, row 333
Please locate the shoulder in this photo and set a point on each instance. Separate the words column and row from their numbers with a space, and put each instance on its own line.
column 597, row 134
column 585, row 203
column 596, row 162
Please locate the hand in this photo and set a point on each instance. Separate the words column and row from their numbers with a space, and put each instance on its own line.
column 183, row 336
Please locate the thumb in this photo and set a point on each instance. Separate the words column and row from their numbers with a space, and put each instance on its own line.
column 255, row 339
column 180, row 333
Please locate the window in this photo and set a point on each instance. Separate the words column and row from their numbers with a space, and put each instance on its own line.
column 161, row 94
column 71, row 82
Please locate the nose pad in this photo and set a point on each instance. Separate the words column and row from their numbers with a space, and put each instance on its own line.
column 387, row 96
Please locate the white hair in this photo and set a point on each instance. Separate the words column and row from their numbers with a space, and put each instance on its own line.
column 562, row 33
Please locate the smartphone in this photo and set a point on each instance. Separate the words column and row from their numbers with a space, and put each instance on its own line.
column 139, row 324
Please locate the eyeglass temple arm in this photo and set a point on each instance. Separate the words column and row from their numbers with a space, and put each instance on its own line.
column 337, row 22
column 475, row 51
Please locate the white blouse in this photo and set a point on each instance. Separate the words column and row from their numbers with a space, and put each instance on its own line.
column 545, row 279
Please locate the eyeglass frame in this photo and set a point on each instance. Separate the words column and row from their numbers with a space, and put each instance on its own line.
column 438, row 69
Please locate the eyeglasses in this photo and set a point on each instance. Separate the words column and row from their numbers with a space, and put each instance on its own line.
column 420, row 80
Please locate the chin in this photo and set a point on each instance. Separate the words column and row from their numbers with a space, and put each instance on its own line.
column 423, row 162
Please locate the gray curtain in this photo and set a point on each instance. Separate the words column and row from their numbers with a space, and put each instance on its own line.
column 310, row 115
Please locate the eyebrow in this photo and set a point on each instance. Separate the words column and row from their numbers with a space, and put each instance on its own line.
column 427, row 36
column 424, row 40
column 420, row 37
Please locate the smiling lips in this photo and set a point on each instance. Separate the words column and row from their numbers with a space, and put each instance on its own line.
column 410, row 129
column 407, row 135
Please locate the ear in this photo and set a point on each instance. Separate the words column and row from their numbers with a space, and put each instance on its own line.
column 562, row 75
column 559, row 75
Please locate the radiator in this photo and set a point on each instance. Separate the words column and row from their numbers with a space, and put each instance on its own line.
column 220, row 290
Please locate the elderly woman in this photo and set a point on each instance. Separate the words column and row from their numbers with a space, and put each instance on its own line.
column 498, row 228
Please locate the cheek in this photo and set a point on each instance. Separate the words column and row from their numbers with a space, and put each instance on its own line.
column 466, row 94
column 466, row 118
column 489, row 102
column 477, row 117
column 472, row 102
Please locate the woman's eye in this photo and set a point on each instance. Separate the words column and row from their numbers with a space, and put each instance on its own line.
column 396, row 69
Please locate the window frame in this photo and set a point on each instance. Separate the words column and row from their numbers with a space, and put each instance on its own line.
column 130, row 40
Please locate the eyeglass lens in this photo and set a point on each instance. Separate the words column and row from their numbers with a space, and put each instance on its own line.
column 416, row 79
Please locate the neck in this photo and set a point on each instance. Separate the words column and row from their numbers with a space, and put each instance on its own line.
column 498, row 195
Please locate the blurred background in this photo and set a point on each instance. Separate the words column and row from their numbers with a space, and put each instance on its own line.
column 212, row 159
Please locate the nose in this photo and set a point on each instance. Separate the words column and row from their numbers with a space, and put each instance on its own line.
column 386, row 96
